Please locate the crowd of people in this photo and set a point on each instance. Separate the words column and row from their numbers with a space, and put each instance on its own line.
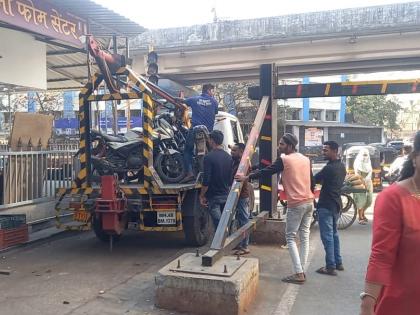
column 392, row 279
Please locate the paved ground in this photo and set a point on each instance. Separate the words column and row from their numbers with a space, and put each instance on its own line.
column 76, row 274
column 323, row 295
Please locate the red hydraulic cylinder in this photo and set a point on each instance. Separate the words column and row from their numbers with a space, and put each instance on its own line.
column 110, row 208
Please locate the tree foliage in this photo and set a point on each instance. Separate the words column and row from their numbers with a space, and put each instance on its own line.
column 46, row 102
column 378, row 110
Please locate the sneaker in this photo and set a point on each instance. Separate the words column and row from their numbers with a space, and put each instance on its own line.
column 340, row 267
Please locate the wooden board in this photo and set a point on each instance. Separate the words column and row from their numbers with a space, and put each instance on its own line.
column 33, row 127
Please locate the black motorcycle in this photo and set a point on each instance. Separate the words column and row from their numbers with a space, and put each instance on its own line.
column 168, row 143
column 117, row 155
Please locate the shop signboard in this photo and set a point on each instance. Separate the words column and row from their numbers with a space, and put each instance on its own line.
column 313, row 137
column 41, row 17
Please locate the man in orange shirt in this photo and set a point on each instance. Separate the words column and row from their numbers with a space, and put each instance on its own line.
column 298, row 185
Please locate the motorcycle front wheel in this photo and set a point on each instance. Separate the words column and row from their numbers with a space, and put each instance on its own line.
column 170, row 167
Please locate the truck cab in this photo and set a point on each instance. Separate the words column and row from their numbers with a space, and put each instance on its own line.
column 230, row 127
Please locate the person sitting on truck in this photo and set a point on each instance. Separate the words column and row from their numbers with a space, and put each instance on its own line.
column 217, row 177
column 204, row 109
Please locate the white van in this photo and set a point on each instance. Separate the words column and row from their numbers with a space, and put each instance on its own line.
column 230, row 127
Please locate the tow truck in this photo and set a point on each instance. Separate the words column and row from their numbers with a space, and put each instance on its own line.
column 112, row 206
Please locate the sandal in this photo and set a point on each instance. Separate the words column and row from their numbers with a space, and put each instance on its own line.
column 327, row 271
column 362, row 222
column 293, row 279
column 242, row 251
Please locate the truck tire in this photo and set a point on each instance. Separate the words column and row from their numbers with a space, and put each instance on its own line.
column 100, row 233
column 195, row 220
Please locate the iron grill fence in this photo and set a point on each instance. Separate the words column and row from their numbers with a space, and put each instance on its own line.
column 32, row 176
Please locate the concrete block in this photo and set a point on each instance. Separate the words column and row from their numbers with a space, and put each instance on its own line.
column 271, row 231
column 34, row 212
column 207, row 290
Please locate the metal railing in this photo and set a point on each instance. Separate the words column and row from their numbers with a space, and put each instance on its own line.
column 59, row 146
column 32, row 176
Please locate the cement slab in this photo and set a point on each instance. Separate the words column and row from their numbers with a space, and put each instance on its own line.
column 192, row 264
column 271, row 231
column 206, row 294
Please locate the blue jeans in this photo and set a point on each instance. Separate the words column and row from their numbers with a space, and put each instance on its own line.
column 216, row 205
column 329, row 235
column 189, row 151
column 242, row 215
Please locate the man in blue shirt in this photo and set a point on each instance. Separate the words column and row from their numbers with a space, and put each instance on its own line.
column 204, row 110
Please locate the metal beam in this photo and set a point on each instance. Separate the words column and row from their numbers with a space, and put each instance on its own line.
column 73, row 65
column 62, row 52
column 211, row 256
column 67, row 79
column 383, row 87
column 345, row 67
column 222, row 230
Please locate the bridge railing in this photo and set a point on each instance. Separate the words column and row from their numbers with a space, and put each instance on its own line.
column 33, row 176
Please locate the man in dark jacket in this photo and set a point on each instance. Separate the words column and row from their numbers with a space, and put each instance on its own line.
column 217, row 177
column 204, row 109
column 329, row 205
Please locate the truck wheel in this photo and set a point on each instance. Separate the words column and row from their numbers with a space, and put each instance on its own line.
column 99, row 232
column 196, row 221
column 196, row 229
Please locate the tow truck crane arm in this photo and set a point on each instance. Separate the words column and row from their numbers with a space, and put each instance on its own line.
column 109, row 64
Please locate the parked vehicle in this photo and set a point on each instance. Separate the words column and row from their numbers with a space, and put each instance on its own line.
column 396, row 144
column 348, row 212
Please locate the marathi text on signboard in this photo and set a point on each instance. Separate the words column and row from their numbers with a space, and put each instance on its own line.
column 41, row 17
column 313, row 137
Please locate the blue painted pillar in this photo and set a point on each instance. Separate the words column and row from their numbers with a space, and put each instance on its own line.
column 31, row 102
column 305, row 107
column 343, row 103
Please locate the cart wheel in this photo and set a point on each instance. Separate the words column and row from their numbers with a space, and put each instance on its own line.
column 348, row 212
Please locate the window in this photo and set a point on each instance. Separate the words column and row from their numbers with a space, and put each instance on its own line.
column 235, row 131
column 331, row 115
column 293, row 114
column 314, row 114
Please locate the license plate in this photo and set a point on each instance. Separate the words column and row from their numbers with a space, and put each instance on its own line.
column 166, row 218
column 81, row 216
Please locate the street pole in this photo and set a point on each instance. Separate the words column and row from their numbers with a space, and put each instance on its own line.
column 10, row 112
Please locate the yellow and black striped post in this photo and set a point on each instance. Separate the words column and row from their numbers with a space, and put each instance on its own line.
column 268, row 139
column 148, row 115
column 82, row 180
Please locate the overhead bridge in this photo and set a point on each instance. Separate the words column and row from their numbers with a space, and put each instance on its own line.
column 371, row 39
